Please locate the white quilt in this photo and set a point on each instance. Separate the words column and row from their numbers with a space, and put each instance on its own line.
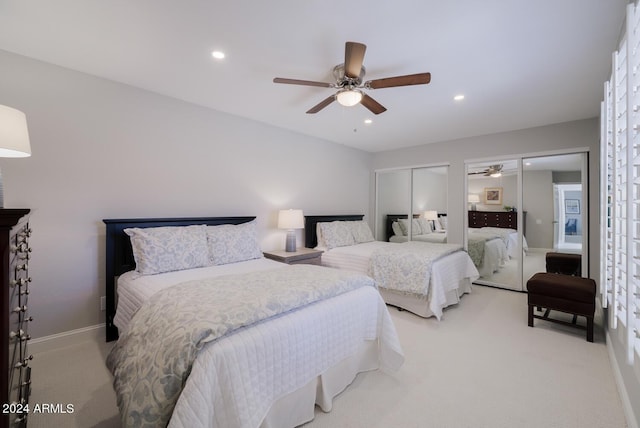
column 407, row 267
column 447, row 273
column 236, row 380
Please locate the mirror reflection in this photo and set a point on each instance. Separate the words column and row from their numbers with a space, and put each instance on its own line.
column 492, row 238
column 421, row 191
column 555, row 200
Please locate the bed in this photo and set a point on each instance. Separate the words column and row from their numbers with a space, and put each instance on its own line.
column 273, row 369
column 444, row 278
column 487, row 247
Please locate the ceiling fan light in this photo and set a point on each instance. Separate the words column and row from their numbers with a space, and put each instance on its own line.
column 348, row 98
column 496, row 174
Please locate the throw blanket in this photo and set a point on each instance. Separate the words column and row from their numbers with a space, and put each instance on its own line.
column 476, row 244
column 153, row 358
column 406, row 267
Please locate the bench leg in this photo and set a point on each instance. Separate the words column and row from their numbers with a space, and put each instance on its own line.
column 530, row 315
column 590, row 329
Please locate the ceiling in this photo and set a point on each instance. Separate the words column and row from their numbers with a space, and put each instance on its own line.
column 519, row 63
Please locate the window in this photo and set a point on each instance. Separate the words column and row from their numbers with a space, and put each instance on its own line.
column 620, row 179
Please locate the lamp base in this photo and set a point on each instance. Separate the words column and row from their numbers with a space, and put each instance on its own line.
column 291, row 242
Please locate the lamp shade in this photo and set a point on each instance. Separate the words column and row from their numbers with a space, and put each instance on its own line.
column 474, row 198
column 290, row 219
column 348, row 97
column 14, row 135
column 431, row 215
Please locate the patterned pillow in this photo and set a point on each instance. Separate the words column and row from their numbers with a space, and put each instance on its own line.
column 230, row 243
column 415, row 227
column 443, row 222
column 425, row 225
column 336, row 234
column 397, row 230
column 360, row 231
column 168, row 248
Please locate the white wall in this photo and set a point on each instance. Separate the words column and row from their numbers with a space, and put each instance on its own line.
column 107, row 150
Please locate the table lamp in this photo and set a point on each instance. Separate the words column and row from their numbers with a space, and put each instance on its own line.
column 14, row 138
column 473, row 200
column 290, row 220
column 431, row 216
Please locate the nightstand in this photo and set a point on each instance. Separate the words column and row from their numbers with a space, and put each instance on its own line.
column 301, row 256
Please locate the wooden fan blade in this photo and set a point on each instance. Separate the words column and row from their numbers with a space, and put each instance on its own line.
column 353, row 58
column 302, row 82
column 321, row 104
column 373, row 105
column 410, row 79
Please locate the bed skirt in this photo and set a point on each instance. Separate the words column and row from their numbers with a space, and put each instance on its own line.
column 298, row 407
column 419, row 305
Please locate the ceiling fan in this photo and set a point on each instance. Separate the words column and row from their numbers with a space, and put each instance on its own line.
column 349, row 82
column 490, row 171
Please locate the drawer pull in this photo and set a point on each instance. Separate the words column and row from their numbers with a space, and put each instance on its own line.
column 19, row 309
column 19, row 281
column 24, row 363
column 21, row 334
column 23, row 266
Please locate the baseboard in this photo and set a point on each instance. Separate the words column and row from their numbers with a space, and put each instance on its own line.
column 67, row 338
column 624, row 397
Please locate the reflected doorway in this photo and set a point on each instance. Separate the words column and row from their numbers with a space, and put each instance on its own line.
column 567, row 231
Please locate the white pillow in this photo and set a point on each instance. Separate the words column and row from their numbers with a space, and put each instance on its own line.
column 443, row 222
column 397, row 230
column 360, row 231
column 416, row 229
column 230, row 243
column 321, row 244
column 425, row 225
column 168, row 248
column 336, row 234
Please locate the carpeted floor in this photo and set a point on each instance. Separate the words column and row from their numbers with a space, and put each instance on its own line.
column 481, row 366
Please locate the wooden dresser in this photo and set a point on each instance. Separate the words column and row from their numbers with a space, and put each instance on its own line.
column 16, row 375
column 503, row 219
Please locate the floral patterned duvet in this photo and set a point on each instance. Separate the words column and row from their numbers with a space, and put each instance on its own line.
column 406, row 267
column 153, row 358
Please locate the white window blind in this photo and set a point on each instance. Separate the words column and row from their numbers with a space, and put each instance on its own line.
column 633, row 171
column 620, row 187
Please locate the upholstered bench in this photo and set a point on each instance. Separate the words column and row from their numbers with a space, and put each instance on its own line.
column 568, row 264
column 565, row 293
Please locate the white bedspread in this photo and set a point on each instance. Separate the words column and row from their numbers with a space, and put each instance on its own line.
column 407, row 268
column 274, row 358
column 446, row 273
column 239, row 379
column 133, row 289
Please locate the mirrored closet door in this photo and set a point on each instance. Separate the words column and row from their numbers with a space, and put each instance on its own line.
column 555, row 198
column 421, row 191
column 495, row 223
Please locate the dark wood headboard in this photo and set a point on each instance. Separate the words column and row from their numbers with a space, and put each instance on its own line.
column 310, row 222
column 119, row 255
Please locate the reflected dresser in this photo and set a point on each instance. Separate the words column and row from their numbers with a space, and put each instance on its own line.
column 16, row 373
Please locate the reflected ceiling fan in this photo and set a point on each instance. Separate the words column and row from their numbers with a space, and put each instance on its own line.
column 490, row 171
column 349, row 82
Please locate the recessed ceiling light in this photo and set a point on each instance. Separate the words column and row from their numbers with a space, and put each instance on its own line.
column 527, row 163
column 217, row 54
column 459, row 97
column 368, row 121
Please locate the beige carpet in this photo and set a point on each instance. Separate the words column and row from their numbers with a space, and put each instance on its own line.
column 481, row 366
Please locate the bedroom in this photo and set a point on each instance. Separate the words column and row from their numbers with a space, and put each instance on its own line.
column 103, row 149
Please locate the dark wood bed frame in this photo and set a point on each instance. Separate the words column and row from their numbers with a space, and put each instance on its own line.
column 119, row 255
column 310, row 222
